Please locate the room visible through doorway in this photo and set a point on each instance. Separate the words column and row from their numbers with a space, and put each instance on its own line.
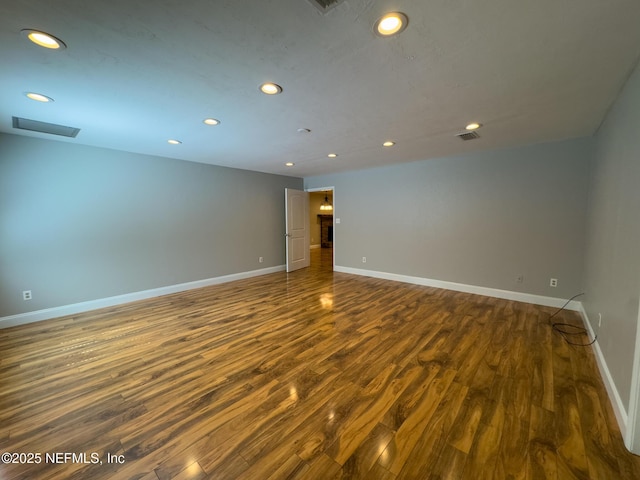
column 321, row 227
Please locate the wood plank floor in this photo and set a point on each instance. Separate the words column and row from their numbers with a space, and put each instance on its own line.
column 307, row 375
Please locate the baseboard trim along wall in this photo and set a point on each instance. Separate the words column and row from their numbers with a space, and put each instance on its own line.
column 38, row 315
column 616, row 402
column 461, row 287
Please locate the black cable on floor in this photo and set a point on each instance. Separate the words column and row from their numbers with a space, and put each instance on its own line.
column 564, row 328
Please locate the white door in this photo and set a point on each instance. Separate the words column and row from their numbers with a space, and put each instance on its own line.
column 297, row 229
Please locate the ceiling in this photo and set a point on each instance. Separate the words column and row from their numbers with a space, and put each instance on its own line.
column 137, row 73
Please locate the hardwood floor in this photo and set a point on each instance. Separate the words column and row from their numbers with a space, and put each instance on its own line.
column 307, row 375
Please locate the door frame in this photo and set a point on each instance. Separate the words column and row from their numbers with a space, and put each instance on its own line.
column 331, row 189
column 632, row 435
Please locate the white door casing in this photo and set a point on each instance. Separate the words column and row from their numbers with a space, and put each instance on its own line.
column 632, row 437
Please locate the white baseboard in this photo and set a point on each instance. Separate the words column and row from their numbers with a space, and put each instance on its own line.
column 461, row 287
column 616, row 402
column 38, row 315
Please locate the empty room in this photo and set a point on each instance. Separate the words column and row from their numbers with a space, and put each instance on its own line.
column 307, row 239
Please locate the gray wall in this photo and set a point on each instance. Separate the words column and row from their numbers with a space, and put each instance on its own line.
column 612, row 267
column 480, row 219
column 81, row 223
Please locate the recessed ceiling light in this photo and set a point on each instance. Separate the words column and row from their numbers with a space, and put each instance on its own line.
column 38, row 97
column 391, row 24
column 332, row 155
column 211, row 121
column 174, row 142
column 43, row 39
column 388, row 143
column 270, row 88
column 289, row 164
column 473, row 126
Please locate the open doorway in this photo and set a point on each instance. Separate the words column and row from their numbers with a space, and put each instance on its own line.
column 321, row 227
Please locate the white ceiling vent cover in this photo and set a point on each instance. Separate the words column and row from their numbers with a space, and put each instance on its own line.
column 44, row 127
column 468, row 136
column 324, row 5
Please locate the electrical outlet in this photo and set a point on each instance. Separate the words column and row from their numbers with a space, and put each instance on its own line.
column 553, row 282
column 599, row 320
column 26, row 295
column 364, row 259
column 520, row 279
column 260, row 259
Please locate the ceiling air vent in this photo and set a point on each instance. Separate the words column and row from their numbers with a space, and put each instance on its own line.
column 325, row 5
column 44, row 127
column 468, row 136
